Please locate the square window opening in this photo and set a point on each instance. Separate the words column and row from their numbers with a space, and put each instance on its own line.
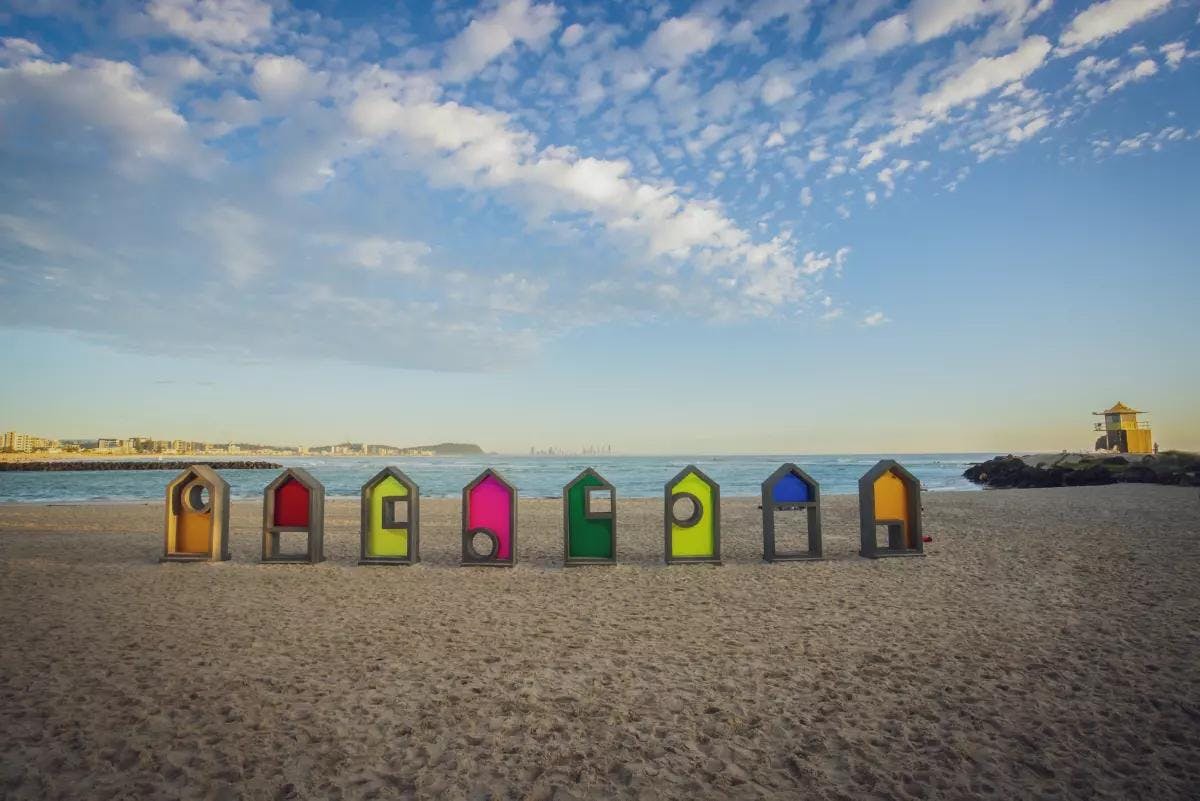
column 599, row 502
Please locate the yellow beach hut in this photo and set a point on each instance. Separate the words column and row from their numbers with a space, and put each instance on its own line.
column 391, row 522
column 692, row 518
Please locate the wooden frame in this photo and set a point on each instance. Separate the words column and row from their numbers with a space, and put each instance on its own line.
column 601, row 518
column 412, row 524
column 811, row 507
column 905, row 538
column 699, row 513
column 314, row 529
column 493, row 559
column 185, row 514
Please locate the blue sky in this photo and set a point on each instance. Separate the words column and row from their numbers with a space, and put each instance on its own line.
column 759, row 226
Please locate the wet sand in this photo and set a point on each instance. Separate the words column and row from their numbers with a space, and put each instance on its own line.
column 1048, row 646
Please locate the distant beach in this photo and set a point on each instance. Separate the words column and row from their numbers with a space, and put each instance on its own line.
column 1046, row 647
column 536, row 476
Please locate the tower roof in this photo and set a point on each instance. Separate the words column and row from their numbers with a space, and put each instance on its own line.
column 1120, row 408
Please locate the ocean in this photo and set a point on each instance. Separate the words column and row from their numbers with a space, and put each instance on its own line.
column 535, row 476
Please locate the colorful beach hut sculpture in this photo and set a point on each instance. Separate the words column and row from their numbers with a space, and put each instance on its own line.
column 391, row 508
column 489, row 521
column 790, row 489
column 890, row 496
column 197, row 527
column 692, row 518
column 293, row 504
column 589, row 520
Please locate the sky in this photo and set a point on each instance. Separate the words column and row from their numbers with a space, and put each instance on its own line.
column 768, row 226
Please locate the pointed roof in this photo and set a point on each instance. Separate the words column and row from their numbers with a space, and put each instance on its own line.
column 1120, row 408
column 202, row 472
column 492, row 473
column 590, row 471
column 887, row 466
column 301, row 475
column 786, row 469
column 691, row 468
column 390, row 472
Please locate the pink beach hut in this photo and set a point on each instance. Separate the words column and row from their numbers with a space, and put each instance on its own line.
column 489, row 521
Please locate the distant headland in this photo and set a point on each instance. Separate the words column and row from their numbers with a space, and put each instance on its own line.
column 68, row 465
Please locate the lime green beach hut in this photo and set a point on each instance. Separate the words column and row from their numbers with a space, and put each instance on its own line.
column 390, row 519
column 692, row 518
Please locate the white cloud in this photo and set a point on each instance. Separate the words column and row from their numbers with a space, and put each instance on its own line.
column 227, row 113
column 463, row 146
column 679, row 38
column 1019, row 133
column 1104, row 19
column 224, row 22
column 488, row 36
column 806, row 197
column 94, row 101
column 986, row 75
column 391, row 255
column 776, row 88
column 883, row 37
column 1147, row 140
column 875, row 318
column 169, row 71
column 775, row 139
column 279, row 80
column 571, row 35
column 934, row 18
column 14, row 49
column 1175, row 52
column 1143, row 69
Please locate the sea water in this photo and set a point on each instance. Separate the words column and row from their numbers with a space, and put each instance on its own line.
column 534, row 476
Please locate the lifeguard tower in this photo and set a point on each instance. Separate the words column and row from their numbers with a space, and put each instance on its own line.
column 1122, row 431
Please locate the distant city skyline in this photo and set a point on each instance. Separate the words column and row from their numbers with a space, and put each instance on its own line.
column 688, row 228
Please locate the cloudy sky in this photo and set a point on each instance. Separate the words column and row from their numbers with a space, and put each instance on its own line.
column 728, row 226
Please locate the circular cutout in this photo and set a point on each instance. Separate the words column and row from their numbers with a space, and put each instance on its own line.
column 482, row 544
column 686, row 509
column 198, row 498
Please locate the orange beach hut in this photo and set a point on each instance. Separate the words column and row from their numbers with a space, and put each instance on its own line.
column 197, row 528
column 890, row 497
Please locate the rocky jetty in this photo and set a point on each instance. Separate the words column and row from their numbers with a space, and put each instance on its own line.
column 1083, row 469
column 52, row 466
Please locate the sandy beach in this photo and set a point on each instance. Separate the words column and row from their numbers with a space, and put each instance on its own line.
column 1048, row 646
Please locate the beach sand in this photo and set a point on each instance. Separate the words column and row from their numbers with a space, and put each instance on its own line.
column 1048, row 646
